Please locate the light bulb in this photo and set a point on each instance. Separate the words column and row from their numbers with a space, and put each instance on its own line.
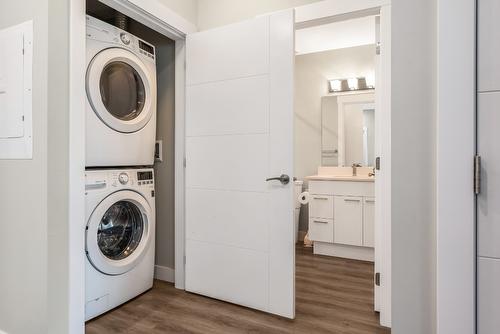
column 352, row 83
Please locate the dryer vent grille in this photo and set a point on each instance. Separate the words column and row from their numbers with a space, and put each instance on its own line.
column 121, row 21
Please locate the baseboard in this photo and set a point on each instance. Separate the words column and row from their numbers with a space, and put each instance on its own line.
column 163, row 274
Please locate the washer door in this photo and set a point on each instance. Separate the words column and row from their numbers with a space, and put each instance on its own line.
column 119, row 90
column 118, row 232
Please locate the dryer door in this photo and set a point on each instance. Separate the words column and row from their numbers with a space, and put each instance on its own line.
column 118, row 232
column 120, row 90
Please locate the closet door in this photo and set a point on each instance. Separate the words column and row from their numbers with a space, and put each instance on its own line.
column 240, row 244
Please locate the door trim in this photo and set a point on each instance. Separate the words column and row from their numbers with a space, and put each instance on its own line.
column 456, row 244
column 170, row 24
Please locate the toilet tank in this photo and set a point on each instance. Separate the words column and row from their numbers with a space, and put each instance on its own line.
column 298, row 190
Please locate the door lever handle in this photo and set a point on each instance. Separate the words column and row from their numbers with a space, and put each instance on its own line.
column 283, row 178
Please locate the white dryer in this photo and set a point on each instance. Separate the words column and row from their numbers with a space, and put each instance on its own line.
column 121, row 97
column 119, row 237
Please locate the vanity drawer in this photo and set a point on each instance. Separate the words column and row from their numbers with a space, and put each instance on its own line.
column 321, row 229
column 321, row 206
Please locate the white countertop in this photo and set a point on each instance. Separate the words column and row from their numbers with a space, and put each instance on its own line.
column 360, row 178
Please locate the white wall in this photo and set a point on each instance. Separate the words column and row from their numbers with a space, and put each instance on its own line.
column 312, row 72
column 414, row 109
column 23, row 197
column 188, row 9
column 215, row 13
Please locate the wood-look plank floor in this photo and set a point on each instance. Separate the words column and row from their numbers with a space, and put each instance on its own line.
column 333, row 296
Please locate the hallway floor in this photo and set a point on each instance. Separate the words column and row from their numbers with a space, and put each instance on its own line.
column 334, row 295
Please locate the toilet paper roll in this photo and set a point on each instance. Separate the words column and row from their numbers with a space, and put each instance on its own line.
column 304, row 197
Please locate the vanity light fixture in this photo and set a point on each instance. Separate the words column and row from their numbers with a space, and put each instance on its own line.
column 351, row 84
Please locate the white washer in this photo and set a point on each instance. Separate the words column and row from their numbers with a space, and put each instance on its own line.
column 119, row 237
column 121, row 97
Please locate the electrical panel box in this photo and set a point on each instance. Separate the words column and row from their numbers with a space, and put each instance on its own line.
column 16, row 56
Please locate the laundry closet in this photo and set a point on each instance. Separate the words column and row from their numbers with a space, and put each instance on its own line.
column 130, row 83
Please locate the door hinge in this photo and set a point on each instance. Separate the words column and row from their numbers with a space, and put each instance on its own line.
column 377, row 163
column 377, row 279
column 184, row 259
column 377, row 49
column 185, row 163
column 477, row 174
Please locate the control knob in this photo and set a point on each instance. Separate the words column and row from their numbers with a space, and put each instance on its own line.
column 125, row 38
column 123, row 178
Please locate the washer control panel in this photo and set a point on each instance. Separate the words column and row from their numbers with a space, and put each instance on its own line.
column 100, row 180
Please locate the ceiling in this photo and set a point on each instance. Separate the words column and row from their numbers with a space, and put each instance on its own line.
column 337, row 35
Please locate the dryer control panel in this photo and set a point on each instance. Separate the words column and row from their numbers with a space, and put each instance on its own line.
column 105, row 32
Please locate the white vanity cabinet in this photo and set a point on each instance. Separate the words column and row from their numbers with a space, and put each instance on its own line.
column 342, row 217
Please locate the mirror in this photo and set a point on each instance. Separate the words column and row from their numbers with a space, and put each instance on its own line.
column 348, row 129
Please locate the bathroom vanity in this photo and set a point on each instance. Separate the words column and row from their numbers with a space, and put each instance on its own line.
column 342, row 212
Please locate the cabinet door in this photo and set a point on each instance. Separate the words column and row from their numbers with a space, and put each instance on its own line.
column 348, row 220
column 321, row 206
column 369, row 222
column 321, row 229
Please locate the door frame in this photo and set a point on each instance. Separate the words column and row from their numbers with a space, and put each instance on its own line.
column 456, row 138
column 165, row 21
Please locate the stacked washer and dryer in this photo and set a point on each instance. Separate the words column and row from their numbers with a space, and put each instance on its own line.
column 120, row 144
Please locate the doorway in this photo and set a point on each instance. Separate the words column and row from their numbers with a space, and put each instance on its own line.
column 338, row 147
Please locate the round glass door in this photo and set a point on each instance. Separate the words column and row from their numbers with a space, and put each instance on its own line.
column 120, row 230
column 122, row 91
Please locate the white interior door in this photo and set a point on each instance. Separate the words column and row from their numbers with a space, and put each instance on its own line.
column 240, row 244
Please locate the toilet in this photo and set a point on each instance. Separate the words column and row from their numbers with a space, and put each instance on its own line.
column 298, row 191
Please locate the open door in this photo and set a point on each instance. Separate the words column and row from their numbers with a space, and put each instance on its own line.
column 240, row 244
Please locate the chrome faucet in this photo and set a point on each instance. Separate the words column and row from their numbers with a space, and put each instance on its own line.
column 355, row 169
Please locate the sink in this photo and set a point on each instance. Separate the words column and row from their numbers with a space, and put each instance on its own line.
column 343, row 174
